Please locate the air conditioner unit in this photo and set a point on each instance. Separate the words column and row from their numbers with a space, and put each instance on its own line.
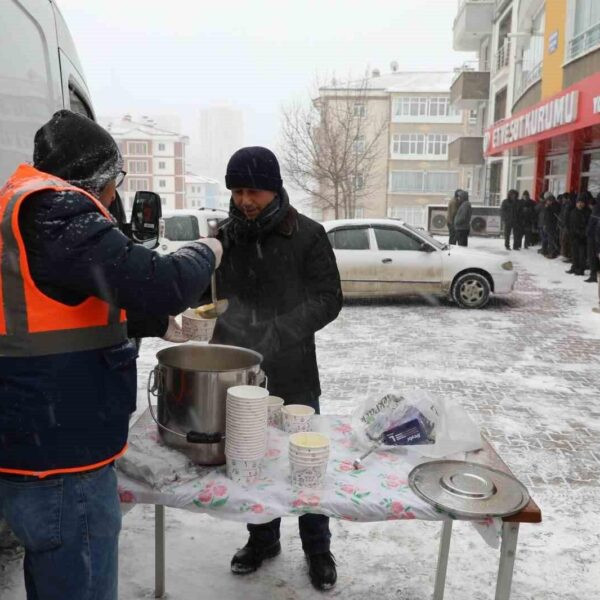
column 485, row 220
column 436, row 220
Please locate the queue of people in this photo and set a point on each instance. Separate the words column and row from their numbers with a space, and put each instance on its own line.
column 566, row 225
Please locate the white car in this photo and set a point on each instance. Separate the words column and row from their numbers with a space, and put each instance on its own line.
column 176, row 228
column 386, row 257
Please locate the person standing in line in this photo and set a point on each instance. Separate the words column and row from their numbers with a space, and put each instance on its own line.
column 509, row 211
column 592, row 255
column 551, row 226
column 563, row 220
column 452, row 208
column 280, row 276
column 527, row 212
column 578, row 220
column 67, row 368
column 596, row 217
column 462, row 220
column 540, row 209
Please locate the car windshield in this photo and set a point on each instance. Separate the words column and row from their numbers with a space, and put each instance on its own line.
column 182, row 228
column 423, row 234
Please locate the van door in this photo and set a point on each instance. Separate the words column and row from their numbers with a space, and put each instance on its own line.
column 30, row 85
column 75, row 92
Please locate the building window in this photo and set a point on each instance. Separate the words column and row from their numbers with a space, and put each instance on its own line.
column 162, row 183
column 590, row 172
column 136, row 184
column 413, row 215
column 137, row 148
column 162, row 164
column 358, row 145
column 420, row 107
column 423, row 182
column 358, row 181
column 137, row 166
column 359, row 213
column 473, row 117
column 360, row 109
column 586, row 27
column 418, row 144
column 161, row 147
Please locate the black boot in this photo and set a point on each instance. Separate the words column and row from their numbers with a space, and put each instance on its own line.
column 250, row 557
column 591, row 279
column 321, row 570
column 571, row 270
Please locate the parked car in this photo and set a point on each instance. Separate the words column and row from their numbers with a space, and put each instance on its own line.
column 387, row 257
column 180, row 227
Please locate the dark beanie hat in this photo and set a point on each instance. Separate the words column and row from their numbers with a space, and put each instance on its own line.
column 77, row 150
column 253, row 167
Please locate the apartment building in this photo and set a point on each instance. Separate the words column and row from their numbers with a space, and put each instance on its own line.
column 202, row 192
column 414, row 169
column 154, row 160
column 539, row 62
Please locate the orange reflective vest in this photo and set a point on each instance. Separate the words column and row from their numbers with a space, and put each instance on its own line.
column 31, row 323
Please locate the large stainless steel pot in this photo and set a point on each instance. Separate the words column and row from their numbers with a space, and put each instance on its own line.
column 191, row 383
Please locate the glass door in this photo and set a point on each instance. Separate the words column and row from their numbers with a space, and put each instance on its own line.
column 555, row 174
column 590, row 172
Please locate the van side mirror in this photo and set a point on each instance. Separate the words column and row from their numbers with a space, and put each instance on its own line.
column 117, row 211
column 145, row 215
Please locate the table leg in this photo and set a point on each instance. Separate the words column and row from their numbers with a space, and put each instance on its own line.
column 442, row 565
column 159, row 551
column 508, row 550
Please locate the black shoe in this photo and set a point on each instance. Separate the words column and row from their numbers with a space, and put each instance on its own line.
column 516, row 248
column 322, row 571
column 580, row 273
column 250, row 557
column 570, row 271
column 507, row 248
column 591, row 280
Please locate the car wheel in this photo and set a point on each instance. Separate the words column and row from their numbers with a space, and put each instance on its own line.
column 471, row 290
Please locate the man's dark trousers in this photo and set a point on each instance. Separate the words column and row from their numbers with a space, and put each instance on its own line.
column 314, row 529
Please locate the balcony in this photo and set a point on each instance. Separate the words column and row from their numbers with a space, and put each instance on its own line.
column 529, row 75
column 470, row 88
column 502, row 57
column 472, row 23
column 466, row 151
column 585, row 41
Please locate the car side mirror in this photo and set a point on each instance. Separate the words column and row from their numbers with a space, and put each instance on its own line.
column 145, row 216
column 425, row 247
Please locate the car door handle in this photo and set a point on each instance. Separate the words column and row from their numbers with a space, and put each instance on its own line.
column 386, row 260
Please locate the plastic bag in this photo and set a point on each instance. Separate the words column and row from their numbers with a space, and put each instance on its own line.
column 417, row 422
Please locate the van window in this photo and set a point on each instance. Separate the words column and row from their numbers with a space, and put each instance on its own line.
column 78, row 104
column 182, row 228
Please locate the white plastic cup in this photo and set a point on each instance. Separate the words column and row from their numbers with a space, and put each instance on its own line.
column 196, row 327
column 274, row 405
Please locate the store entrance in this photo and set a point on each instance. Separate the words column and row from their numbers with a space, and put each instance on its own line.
column 555, row 174
column 590, row 172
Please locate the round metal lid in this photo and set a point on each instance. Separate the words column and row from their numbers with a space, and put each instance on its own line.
column 466, row 489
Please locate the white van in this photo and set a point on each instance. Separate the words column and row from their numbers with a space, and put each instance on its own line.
column 180, row 227
column 40, row 73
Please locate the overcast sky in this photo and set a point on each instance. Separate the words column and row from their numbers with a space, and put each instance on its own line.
column 175, row 56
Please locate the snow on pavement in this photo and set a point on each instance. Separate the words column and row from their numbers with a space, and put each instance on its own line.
column 526, row 370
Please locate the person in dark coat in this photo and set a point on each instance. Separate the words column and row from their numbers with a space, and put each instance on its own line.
column 563, row 221
column 578, row 220
column 551, row 211
column 527, row 213
column 509, row 209
column 452, row 208
column 281, row 279
column 596, row 217
column 592, row 255
column 540, row 209
column 69, row 385
column 462, row 220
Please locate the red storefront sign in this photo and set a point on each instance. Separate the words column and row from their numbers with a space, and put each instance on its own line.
column 574, row 108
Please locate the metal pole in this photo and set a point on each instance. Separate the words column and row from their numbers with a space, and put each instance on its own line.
column 159, row 551
column 508, row 551
column 442, row 565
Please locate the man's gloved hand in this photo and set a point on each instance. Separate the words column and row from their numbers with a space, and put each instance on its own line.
column 174, row 332
column 215, row 245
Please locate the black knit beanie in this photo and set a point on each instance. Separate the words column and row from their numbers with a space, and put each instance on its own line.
column 77, row 150
column 253, row 167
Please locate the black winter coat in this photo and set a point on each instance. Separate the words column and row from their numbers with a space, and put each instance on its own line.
column 551, row 213
column 509, row 209
column 281, row 290
column 593, row 228
column 578, row 220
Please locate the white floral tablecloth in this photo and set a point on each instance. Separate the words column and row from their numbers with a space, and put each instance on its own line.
column 377, row 492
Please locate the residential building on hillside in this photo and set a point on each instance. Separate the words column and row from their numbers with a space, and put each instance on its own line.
column 202, row 192
column 413, row 169
column 539, row 63
column 154, row 160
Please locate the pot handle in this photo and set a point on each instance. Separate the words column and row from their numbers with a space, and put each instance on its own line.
column 258, row 379
column 193, row 437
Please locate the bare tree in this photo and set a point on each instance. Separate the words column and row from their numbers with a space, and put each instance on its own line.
column 332, row 146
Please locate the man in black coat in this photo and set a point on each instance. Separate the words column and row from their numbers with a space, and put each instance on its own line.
column 462, row 219
column 592, row 254
column 578, row 220
column 527, row 212
column 280, row 276
column 509, row 210
column 551, row 213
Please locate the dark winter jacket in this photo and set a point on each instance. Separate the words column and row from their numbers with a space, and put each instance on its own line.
column 72, row 409
column 509, row 209
column 462, row 220
column 563, row 216
column 526, row 211
column 282, row 287
column 540, row 211
column 551, row 213
column 452, row 208
column 593, row 227
column 577, row 225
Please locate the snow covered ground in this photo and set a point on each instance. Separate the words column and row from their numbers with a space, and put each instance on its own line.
column 526, row 369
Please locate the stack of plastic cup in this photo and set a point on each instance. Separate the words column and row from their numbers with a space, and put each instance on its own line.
column 274, row 405
column 245, row 432
column 296, row 417
column 309, row 454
